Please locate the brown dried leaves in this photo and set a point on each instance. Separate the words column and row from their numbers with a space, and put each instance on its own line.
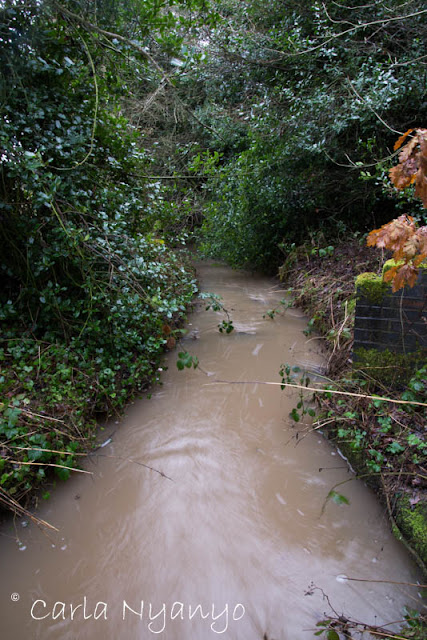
column 409, row 246
column 412, row 165
column 408, row 243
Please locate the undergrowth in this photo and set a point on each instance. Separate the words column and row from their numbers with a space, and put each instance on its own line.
column 53, row 388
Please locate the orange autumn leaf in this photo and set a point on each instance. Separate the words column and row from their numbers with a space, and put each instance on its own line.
column 402, row 139
column 390, row 274
column 406, row 274
column 412, row 165
column 408, row 149
column 402, row 236
column 392, row 235
column 401, row 176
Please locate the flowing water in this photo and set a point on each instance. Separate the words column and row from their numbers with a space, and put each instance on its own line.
column 233, row 543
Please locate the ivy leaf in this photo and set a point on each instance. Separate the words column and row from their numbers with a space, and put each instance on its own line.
column 294, row 415
column 338, row 498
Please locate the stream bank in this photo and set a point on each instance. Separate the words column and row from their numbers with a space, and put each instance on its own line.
column 60, row 377
column 385, row 443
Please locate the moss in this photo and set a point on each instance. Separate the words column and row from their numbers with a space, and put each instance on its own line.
column 351, row 305
column 389, row 264
column 412, row 522
column 387, row 367
column 372, row 286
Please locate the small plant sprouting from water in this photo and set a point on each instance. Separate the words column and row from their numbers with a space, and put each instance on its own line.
column 289, row 376
column 214, row 302
column 226, row 326
column 186, row 360
column 283, row 305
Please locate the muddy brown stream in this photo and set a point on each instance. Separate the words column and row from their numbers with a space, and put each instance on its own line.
column 228, row 544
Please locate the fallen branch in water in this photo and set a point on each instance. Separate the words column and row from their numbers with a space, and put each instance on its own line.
column 318, row 390
column 336, row 624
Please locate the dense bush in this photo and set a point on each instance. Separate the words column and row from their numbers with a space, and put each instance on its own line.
column 322, row 91
column 87, row 285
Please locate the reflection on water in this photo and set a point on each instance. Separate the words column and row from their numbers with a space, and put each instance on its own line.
column 230, row 541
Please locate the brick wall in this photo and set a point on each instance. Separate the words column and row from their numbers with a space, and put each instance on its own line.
column 393, row 321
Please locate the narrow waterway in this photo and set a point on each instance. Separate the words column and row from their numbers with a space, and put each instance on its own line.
column 236, row 526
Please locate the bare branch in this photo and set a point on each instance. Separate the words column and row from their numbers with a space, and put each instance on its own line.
column 357, row 27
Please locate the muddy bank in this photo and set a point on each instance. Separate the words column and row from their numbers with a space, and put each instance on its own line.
column 384, row 442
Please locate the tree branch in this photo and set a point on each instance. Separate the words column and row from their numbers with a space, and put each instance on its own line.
column 89, row 26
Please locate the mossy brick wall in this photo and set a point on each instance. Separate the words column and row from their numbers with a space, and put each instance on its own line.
column 391, row 321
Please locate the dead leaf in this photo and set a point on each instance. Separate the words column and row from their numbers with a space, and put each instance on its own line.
column 402, row 139
column 171, row 342
column 405, row 274
column 408, row 149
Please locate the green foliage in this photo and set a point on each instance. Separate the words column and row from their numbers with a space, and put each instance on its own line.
column 87, row 283
column 257, row 203
column 215, row 303
column 338, row 498
column 391, row 440
column 185, row 359
column 303, row 102
column 226, row 326
column 284, row 304
column 289, row 376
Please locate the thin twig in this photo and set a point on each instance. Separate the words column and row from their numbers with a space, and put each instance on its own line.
column 141, row 464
